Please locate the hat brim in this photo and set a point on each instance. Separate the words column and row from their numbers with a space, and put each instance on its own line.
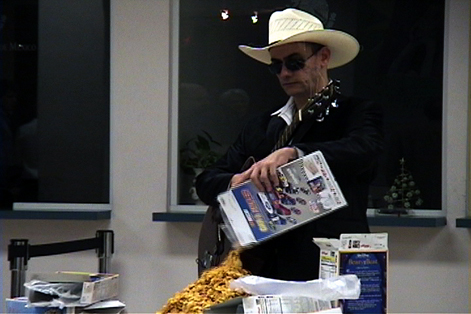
column 343, row 47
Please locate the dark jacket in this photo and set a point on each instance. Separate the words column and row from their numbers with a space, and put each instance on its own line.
column 350, row 138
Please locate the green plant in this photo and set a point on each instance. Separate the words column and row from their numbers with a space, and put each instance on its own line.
column 403, row 194
column 198, row 153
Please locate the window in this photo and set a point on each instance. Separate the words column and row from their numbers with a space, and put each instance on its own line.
column 55, row 102
column 400, row 66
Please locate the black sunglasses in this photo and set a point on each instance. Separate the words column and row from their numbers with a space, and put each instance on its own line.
column 292, row 63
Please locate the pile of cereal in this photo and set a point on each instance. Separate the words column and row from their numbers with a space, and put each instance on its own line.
column 210, row 289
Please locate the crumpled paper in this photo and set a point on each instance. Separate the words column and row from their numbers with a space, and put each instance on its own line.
column 330, row 289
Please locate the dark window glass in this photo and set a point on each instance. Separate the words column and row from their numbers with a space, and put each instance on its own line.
column 400, row 66
column 55, row 101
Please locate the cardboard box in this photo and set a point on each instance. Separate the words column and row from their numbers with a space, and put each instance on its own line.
column 272, row 304
column 308, row 191
column 106, row 287
column 365, row 255
column 92, row 287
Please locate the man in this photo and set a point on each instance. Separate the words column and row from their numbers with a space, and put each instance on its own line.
column 300, row 52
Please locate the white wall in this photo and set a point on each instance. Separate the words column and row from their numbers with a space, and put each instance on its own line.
column 428, row 266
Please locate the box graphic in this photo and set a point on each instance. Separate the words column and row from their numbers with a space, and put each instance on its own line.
column 364, row 255
column 307, row 191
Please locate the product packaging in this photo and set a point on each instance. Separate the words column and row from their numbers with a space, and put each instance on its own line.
column 272, row 296
column 71, row 289
column 307, row 191
column 363, row 255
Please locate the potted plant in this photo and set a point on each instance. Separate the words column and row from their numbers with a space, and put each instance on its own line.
column 198, row 153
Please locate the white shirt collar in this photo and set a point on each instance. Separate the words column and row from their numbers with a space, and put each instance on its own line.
column 286, row 112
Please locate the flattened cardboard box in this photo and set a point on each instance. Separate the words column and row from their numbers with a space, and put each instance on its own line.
column 365, row 255
column 102, row 289
column 95, row 287
column 243, row 305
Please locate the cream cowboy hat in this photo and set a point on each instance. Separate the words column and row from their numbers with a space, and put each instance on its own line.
column 293, row 25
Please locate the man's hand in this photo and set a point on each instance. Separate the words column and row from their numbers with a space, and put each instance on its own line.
column 263, row 173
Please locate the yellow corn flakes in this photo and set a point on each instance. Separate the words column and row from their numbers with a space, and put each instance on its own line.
column 210, row 289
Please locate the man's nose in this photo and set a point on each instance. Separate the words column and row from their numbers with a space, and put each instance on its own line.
column 285, row 71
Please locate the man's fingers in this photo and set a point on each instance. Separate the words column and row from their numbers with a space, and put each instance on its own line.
column 240, row 178
column 262, row 178
column 255, row 178
column 273, row 176
column 265, row 178
column 263, row 173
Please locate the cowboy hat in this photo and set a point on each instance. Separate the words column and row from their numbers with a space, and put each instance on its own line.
column 293, row 25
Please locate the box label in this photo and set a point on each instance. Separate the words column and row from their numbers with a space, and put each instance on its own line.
column 371, row 269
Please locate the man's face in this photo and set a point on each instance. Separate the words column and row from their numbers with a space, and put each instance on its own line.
column 304, row 82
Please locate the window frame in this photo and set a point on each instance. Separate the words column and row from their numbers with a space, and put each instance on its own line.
column 89, row 206
column 173, row 205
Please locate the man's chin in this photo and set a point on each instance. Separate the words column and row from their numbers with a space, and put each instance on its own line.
column 291, row 90
column 294, row 92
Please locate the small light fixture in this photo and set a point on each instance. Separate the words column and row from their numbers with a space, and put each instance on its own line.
column 254, row 17
column 224, row 14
